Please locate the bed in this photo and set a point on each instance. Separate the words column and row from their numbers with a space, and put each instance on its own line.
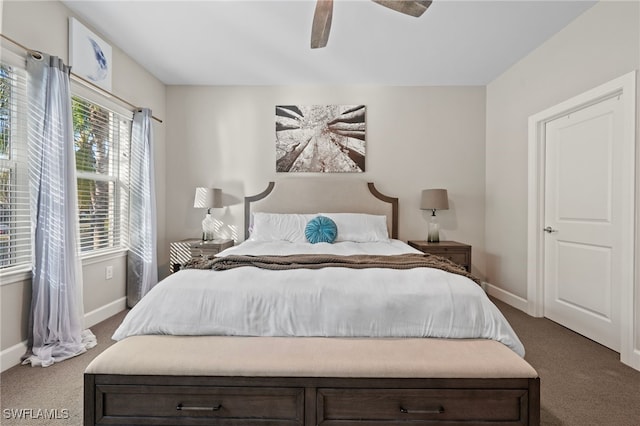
column 264, row 334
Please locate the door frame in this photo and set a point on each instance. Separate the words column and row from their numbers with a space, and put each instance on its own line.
column 626, row 84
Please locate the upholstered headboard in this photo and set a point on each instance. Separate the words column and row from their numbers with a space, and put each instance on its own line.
column 322, row 196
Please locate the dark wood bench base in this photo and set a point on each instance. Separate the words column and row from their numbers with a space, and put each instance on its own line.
column 111, row 399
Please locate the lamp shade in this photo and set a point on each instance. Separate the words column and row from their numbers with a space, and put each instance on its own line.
column 208, row 198
column 434, row 199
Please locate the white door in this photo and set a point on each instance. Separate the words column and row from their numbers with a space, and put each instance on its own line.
column 583, row 220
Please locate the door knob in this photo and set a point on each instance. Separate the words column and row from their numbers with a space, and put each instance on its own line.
column 549, row 230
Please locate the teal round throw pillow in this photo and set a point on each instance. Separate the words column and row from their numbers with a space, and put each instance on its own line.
column 321, row 229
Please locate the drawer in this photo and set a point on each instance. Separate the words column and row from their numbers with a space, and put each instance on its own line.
column 342, row 406
column 459, row 258
column 187, row 405
column 205, row 252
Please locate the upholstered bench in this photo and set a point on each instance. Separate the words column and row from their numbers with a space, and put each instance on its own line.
column 307, row 381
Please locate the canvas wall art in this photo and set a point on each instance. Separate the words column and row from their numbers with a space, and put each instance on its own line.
column 89, row 55
column 320, row 138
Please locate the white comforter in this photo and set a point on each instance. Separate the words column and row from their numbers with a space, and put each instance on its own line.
column 248, row 301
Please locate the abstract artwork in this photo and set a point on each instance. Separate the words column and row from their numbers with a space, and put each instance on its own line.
column 89, row 55
column 320, row 138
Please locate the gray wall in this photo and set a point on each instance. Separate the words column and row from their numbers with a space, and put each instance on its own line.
column 416, row 137
column 600, row 45
column 471, row 140
column 44, row 26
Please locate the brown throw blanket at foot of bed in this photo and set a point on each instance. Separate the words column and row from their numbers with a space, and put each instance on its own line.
column 317, row 261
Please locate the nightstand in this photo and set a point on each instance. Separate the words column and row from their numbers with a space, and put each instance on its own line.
column 456, row 252
column 182, row 251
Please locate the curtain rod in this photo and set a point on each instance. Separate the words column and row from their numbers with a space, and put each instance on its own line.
column 81, row 79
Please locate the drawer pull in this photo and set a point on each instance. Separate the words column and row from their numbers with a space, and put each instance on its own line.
column 181, row 407
column 438, row 410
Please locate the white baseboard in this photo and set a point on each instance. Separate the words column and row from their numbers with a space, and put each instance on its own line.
column 506, row 297
column 11, row 356
column 632, row 359
column 102, row 313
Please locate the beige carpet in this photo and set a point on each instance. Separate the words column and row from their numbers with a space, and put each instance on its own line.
column 58, row 387
column 583, row 383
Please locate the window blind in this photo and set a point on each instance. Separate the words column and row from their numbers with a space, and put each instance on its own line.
column 101, row 144
column 15, row 222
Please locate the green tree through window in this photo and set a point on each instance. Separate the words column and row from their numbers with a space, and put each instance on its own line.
column 97, row 140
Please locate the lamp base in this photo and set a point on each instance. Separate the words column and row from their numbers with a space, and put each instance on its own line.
column 433, row 232
column 208, row 228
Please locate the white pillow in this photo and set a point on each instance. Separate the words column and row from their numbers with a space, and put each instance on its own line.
column 279, row 227
column 360, row 227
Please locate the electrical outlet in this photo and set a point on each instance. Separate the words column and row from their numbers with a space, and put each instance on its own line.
column 108, row 272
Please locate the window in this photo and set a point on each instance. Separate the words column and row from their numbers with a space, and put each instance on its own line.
column 15, row 236
column 101, row 143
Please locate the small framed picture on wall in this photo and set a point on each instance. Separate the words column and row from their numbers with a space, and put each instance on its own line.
column 89, row 55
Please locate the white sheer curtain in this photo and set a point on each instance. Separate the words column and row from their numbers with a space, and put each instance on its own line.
column 56, row 317
column 142, row 271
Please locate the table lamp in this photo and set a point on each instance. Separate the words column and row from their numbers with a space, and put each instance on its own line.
column 208, row 198
column 434, row 199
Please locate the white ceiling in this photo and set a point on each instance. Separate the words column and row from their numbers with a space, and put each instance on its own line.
column 266, row 42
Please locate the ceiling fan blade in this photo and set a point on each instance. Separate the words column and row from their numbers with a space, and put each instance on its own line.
column 414, row 8
column 321, row 23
